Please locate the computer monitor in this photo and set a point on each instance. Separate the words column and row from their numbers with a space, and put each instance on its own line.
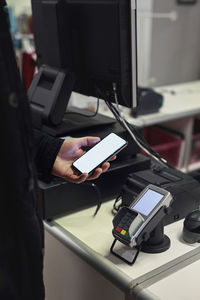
column 93, row 39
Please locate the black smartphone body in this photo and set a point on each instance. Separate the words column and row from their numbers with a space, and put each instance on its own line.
column 98, row 154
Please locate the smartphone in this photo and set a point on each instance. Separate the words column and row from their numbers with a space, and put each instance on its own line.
column 98, row 154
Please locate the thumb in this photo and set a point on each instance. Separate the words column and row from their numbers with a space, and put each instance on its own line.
column 89, row 140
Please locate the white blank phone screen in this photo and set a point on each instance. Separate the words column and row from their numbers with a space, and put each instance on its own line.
column 147, row 202
column 99, row 153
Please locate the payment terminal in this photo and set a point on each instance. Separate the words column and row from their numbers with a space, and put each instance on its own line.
column 133, row 225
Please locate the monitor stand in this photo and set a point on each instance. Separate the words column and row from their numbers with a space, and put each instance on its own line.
column 78, row 120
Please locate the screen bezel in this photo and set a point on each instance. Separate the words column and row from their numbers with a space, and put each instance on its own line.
column 153, row 209
column 165, row 193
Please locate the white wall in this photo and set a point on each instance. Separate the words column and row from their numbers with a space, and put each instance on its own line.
column 144, row 37
column 20, row 6
column 175, row 51
column 168, row 42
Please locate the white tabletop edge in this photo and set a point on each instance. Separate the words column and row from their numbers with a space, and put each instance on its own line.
column 104, row 266
column 107, row 269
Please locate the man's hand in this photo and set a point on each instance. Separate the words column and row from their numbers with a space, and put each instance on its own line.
column 70, row 150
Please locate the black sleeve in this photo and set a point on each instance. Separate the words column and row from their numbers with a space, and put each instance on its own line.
column 46, row 150
column 2, row 3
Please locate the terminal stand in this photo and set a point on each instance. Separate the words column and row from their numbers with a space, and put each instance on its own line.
column 127, row 254
column 151, row 239
column 158, row 241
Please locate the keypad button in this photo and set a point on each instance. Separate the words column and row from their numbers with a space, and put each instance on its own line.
column 118, row 229
column 123, row 232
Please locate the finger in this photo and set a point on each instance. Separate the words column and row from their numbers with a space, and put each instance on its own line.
column 105, row 166
column 89, row 140
column 99, row 171
column 113, row 158
column 82, row 178
column 77, row 178
column 96, row 174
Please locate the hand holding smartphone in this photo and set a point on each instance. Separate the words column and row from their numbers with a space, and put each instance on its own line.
column 101, row 152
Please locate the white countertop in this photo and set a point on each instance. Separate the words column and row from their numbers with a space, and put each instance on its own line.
column 180, row 100
column 182, row 285
column 93, row 235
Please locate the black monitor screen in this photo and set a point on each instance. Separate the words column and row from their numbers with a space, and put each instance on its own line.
column 95, row 39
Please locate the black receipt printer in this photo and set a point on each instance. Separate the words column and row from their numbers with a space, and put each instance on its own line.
column 183, row 187
column 149, row 101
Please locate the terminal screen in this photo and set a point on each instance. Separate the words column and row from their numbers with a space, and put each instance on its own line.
column 147, row 202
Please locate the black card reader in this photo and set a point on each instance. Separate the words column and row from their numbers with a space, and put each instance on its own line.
column 133, row 224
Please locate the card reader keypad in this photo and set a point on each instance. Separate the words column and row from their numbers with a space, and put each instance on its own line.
column 124, row 224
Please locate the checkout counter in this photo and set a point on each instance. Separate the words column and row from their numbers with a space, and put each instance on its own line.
column 78, row 262
column 79, row 265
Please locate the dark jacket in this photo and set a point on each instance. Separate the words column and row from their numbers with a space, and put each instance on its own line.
column 21, row 230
